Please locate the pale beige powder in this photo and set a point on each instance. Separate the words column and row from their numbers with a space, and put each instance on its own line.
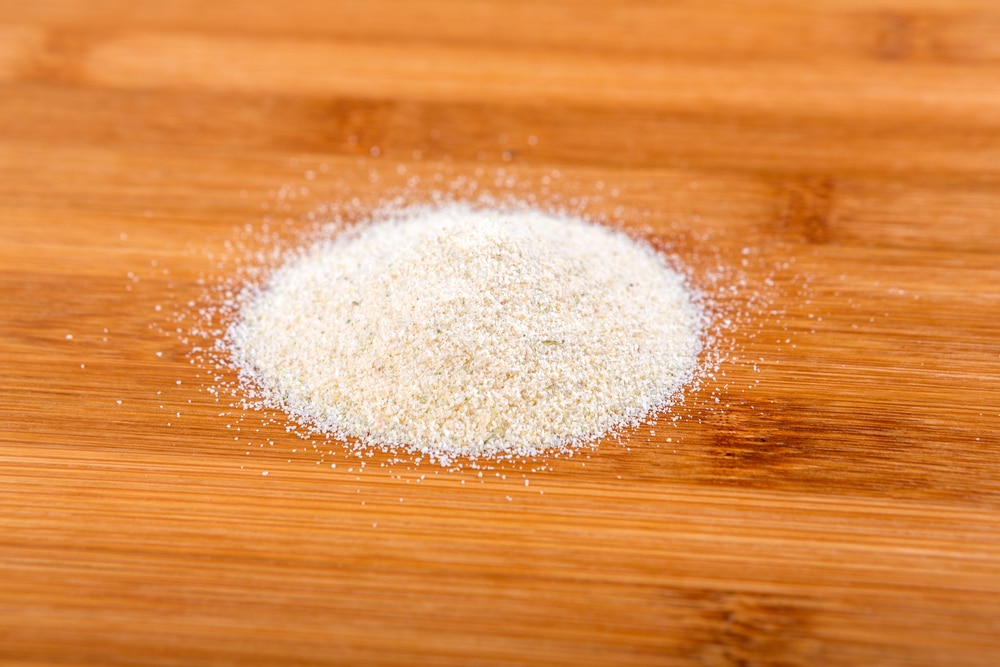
column 457, row 331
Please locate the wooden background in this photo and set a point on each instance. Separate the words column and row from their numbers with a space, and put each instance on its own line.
column 840, row 505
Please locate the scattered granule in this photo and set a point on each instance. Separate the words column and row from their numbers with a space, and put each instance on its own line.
column 457, row 331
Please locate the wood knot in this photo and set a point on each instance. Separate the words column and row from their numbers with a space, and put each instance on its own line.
column 753, row 629
column 894, row 37
column 808, row 207
column 908, row 37
column 62, row 55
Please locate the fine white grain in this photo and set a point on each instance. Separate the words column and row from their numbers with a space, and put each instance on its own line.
column 464, row 332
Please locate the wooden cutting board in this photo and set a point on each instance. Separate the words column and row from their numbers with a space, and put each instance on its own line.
column 834, row 166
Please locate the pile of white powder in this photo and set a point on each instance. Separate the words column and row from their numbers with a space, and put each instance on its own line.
column 464, row 332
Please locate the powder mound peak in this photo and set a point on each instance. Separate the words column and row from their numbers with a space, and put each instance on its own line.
column 457, row 331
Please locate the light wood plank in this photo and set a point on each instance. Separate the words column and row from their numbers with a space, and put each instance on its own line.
column 839, row 504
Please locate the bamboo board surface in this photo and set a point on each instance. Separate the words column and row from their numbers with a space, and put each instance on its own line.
column 839, row 505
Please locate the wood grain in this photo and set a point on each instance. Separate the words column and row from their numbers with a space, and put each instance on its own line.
column 839, row 504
